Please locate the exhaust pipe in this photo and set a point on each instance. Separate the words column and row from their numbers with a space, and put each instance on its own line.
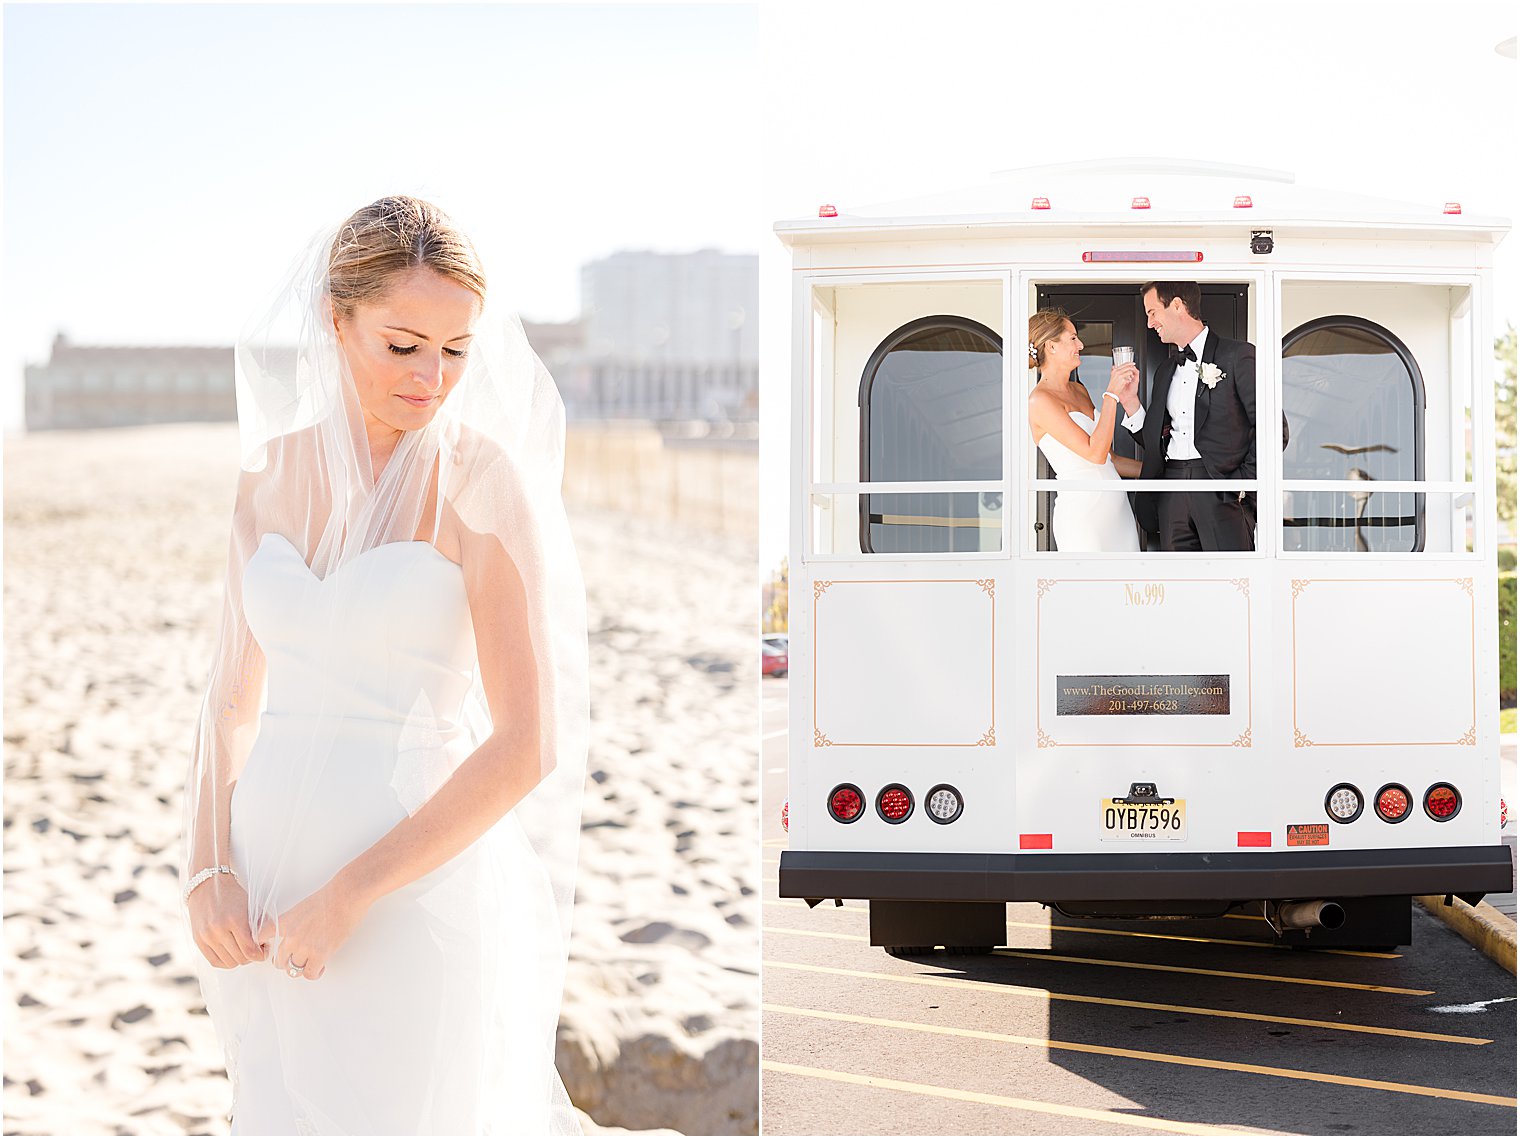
column 1309, row 915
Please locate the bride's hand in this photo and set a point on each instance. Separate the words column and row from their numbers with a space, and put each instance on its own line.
column 1123, row 377
column 311, row 931
column 219, row 923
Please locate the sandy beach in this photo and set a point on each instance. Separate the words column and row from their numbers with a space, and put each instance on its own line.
column 115, row 544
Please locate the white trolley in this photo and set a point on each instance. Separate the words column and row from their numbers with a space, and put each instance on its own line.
column 1309, row 728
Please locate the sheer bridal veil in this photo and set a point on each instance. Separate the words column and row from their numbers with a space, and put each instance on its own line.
column 490, row 462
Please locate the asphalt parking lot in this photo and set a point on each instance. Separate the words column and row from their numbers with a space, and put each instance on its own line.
column 1190, row 1027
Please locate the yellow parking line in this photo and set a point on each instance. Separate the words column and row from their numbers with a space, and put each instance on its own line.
column 814, row 933
column 1141, row 965
column 1158, row 1057
column 1121, row 1118
column 1118, row 932
column 945, row 982
column 1218, row 973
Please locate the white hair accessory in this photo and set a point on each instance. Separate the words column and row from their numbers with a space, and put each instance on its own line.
column 1034, row 353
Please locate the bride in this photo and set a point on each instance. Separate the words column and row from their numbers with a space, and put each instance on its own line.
column 1078, row 439
column 383, row 805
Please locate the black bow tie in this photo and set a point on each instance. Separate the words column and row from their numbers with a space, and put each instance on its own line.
column 1180, row 356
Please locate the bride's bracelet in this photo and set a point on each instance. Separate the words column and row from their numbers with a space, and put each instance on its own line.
column 1116, row 399
column 201, row 876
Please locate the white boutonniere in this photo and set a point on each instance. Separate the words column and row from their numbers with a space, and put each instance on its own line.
column 1209, row 375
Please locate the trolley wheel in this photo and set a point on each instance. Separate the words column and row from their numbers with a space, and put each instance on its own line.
column 968, row 950
column 909, row 950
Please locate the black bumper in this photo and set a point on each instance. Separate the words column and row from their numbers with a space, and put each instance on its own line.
column 1227, row 876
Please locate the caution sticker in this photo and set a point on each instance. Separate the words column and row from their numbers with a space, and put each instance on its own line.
column 1309, row 834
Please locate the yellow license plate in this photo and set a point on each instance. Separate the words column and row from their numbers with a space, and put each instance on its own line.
column 1143, row 822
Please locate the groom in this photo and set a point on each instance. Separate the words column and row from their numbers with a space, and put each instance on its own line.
column 1201, row 424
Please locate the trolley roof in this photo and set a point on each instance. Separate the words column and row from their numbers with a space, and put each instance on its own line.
column 1082, row 196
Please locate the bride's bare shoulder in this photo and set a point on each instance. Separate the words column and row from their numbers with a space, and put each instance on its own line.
column 481, row 460
column 1045, row 405
column 284, row 452
column 286, row 463
column 472, row 446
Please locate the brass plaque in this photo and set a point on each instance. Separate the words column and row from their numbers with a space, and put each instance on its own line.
column 1190, row 695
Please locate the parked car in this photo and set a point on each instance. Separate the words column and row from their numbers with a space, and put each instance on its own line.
column 773, row 654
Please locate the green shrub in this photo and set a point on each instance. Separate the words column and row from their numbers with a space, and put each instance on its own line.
column 1507, row 628
column 1506, row 558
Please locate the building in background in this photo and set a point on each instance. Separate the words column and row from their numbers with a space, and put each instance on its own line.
column 668, row 337
column 103, row 386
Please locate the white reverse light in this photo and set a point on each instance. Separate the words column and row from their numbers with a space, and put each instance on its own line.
column 1344, row 803
column 944, row 803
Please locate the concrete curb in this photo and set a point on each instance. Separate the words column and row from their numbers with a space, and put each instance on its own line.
column 1482, row 925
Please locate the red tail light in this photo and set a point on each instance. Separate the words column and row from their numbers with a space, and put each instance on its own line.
column 846, row 803
column 786, row 811
column 1442, row 802
column 894, row 803
column 1393, row 803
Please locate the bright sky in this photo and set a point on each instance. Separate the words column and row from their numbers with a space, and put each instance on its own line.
column 872, row 103
column 165, row 163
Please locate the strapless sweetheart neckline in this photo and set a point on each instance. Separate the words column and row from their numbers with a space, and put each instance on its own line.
column 1087, row 521
column 291, row 546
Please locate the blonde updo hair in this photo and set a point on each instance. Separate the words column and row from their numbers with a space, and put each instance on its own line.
column 392, row 236
column 1045, row 325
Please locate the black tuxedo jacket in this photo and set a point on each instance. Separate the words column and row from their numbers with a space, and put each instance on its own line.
column 1224, row 420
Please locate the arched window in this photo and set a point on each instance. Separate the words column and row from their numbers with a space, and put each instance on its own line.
column 931, row 410
column 1355, row 403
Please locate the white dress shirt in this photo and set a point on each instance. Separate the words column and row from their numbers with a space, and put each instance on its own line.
column 1179, row 404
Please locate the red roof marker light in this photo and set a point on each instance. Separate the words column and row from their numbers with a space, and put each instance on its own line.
column 827, row 212
column 1452, row 208
column 1242, row 201
column 1140, row 203
column 1040, row 204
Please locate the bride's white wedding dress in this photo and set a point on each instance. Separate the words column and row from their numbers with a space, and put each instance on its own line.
column 1088, row 521
column 426, row 1021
